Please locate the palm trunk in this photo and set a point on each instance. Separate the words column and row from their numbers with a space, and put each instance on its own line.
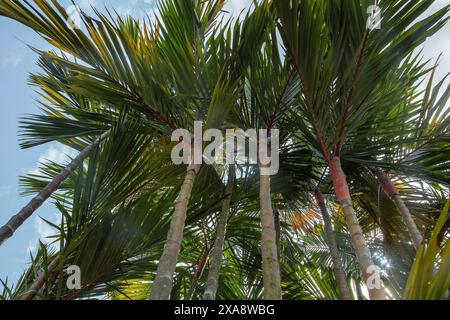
column 40, row 281
column 162, row 285
column 216, row 256
column 392, row 192
column 363, row 254
column 8, row 230
column 192, row 289
column 198, row 274
column 270, row 265
column 276, row 219
column 201, row 265
column 334, row 251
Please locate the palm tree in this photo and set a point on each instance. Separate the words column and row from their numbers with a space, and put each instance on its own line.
column 393, row 193
column 215, row 104
column 270, row 263
column 430, row 129
column 97, row 55
column 334, row 251
column 124, row 219
column 383, row 144
column 269, row 90
column 216, row 254
column 340, row 71
column 112, row 66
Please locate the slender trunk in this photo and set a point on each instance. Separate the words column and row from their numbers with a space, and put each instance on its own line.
column 192, row 289
column 366, row 264
column 276, row 219
column 216, row 255
column 162, row 285
column 334, row 251
column 201, row 264
column 8, row 230
column 392, row 192
column 270, row 265
column 40, row 281
column 198, row 274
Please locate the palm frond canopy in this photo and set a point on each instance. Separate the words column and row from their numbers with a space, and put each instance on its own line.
column 308, row 68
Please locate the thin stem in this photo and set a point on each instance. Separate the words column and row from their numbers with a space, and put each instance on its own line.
column 162, row 285
column 334, row 250
column 8, row 230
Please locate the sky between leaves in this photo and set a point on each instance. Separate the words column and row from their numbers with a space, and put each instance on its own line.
column 18, row 99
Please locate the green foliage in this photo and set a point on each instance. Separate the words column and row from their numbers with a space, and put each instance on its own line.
column 306, row 67
column 429, row 278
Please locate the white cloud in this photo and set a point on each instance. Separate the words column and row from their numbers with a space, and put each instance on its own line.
column 128, row 8
column 44, row 230
column 137, row 8
column 86, row 5
column 143, row 8
column 236, row 7
column 11, row 60
column 436, row 45
column 57, row 153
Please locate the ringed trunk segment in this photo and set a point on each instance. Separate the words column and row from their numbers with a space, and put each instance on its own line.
column 8, row 230
column 392, row 192
column 276, row 217
column 40, row 281
column 269, row 251
column 363, row 254
column 341, row 279
column 162, row 285
column 212, row 283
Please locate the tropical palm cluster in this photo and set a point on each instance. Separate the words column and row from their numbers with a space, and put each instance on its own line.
column 362, row 189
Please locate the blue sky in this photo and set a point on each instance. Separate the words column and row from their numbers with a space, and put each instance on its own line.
column 18, row 99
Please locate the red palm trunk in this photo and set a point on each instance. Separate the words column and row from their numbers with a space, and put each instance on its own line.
column 392, row 192
column 366, row 263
